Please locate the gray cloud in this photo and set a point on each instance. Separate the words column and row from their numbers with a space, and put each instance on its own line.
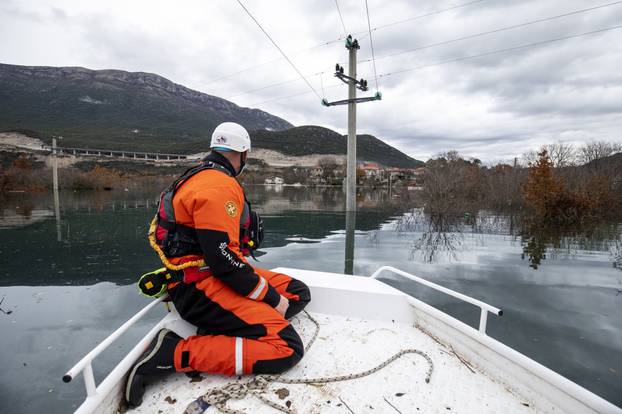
column 492, row 107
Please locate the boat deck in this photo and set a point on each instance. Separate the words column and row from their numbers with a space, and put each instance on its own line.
column 347, row 345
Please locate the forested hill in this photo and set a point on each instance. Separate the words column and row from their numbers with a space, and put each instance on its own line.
column 611, row 163
column 318, row 140
column 146, row 112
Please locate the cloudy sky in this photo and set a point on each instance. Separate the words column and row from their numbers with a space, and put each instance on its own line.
column 435, row 98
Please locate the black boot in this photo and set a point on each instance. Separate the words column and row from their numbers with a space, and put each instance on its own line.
column 157, row 361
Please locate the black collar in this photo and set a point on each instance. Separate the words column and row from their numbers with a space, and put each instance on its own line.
column 221, row 160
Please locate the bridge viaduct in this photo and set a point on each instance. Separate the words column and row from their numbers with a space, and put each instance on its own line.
column 137, row 155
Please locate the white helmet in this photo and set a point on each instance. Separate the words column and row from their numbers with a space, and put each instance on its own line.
column 230, row 136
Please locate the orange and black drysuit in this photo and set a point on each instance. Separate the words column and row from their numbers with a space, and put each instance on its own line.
column 231, row 303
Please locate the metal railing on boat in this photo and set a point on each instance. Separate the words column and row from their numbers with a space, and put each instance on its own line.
column 85, row 366
column 484, row 307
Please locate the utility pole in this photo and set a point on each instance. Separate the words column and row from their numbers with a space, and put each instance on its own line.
column 353, row 84
column 351, row 80
column 55, row 187
column 54, row 166
column 351, row 160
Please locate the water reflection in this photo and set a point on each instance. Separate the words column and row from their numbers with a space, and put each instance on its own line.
column 349, row 252
column 542, row 241
column 438, row 235
column 442, row 237
column 565, row 315
column 615, row 250
column 104, row 233
column 49, row 329
column 16, row 218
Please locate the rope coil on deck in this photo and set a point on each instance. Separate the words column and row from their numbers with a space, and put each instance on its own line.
column 257, row 386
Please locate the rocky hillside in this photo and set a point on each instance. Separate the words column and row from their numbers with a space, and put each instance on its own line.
column 113, row 108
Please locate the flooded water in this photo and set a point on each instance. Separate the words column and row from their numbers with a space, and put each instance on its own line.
column 65, row 285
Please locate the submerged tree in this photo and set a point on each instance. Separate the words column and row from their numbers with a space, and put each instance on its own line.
column 541, row 188
column 548, row 197
column 452, row 185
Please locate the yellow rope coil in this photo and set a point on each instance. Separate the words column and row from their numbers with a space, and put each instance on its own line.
column 162, row 256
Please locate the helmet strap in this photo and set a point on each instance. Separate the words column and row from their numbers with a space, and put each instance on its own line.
column 243, row 156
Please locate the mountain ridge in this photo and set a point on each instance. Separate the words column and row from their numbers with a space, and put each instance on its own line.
column 143, row 111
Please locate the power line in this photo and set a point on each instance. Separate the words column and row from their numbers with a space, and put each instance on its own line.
column 432, row 13
column 233, row 74
column 371, row 41
column 445, row 62
column 501, row 29
column 339, row 39
column 494, row 52
column 333, row 41
column 443, row 43
column 345, row 32
column 277, row 46
column 271, row 86
column 280, row 98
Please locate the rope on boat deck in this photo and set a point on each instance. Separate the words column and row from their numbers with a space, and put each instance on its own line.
column 258, row 386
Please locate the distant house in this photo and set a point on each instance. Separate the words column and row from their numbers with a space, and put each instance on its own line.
column 417, row 177
column 274, row 181
column 371, row 169
column 396, row 173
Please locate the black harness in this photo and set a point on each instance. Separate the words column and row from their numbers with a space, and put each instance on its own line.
column 177, row 240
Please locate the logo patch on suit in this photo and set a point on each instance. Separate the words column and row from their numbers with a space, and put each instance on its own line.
column 231, row 208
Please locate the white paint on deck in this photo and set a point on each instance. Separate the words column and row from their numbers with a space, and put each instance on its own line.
column 349, row 345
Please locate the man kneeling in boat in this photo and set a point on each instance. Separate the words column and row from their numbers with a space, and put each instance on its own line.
column 203, row 227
